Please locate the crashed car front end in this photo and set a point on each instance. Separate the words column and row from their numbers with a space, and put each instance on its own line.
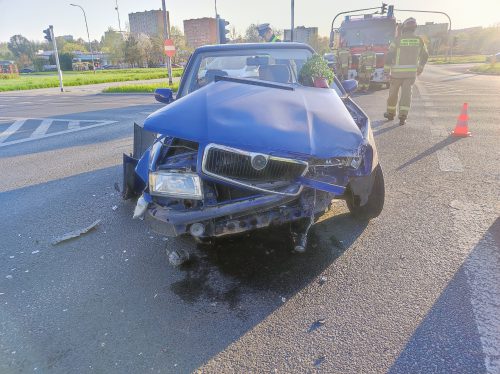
column 199, row 181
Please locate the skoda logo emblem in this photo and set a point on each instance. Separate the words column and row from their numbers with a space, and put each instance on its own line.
column 259, row 162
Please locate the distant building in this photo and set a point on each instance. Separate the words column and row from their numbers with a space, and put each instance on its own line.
column 431, row 29
column 200, row 31
column 149, row 22
column 302, row 34
column 68, row 38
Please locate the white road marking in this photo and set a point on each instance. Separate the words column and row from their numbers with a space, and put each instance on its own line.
column 482, row 268
column 11, row 130
column 42, row 129
column 99, row 123
column 72, row 125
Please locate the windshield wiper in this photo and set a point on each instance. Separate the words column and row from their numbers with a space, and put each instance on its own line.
column 254, row 82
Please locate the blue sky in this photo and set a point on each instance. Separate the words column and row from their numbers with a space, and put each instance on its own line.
column 30, row 17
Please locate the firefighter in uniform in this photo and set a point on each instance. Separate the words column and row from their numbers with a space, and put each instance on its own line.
column 366, row 65
column 266, row 33
column 344, row 60
column 405, row 60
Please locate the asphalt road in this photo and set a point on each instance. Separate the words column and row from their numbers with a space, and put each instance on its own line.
column 415, row 290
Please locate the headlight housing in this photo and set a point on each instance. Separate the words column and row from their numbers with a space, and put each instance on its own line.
column 180, row 185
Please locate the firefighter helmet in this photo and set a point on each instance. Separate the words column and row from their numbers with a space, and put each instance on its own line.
column 410, row 24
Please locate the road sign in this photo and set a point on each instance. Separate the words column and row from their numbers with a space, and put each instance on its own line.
column 169, row 48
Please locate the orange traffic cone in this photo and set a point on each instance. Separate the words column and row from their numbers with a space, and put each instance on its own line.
column 462, row 126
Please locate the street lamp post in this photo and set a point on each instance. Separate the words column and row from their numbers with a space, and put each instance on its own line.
column 88, row 35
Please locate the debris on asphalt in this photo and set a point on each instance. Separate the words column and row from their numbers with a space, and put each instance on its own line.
column 140, row 208
column 115, row 207
column 283, row 299
column 317, row 324
column 76, row 233
column 178, row 257
column 319, row 361
column 12, row 256
column 8, row 276
column 35, row 252
column 322, row 280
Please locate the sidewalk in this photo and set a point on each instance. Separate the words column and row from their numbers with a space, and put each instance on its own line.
column 83, row 90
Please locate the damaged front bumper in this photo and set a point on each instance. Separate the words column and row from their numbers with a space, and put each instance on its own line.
column 236, row 217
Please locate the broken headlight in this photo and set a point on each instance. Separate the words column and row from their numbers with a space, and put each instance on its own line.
column 340, row 162
column 180, row 185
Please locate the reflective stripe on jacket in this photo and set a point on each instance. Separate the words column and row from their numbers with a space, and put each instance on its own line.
column 367, row 60
column 344, row 56
column 405, row 55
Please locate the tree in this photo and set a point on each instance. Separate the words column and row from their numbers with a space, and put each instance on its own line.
column 70, row 47
column 5, row 53
column 252, row 35
column 182, row 50
column 113, row 43
column 19, row 46
column 132, row 52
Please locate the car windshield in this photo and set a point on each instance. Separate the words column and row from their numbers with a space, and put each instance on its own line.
column 275, row 65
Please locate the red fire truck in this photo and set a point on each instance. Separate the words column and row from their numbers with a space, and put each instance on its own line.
column 358, row 31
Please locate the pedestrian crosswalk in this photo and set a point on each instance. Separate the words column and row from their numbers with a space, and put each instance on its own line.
column 21, row 130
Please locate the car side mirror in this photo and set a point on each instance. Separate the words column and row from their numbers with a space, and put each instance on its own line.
column 164, row 95
column 350, row 85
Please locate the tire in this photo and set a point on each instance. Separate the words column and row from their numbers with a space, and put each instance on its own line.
column 375, row 202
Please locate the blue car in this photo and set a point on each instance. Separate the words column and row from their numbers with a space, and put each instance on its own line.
column 245, row 146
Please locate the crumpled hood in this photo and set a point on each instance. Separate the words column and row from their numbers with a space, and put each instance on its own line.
column 308, row 121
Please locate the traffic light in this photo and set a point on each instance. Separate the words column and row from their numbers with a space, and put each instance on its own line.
column 383, row 8
column 223, row 31
column 48, row 34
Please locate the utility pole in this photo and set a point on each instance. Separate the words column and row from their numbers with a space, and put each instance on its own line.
column 118, row 13
column 166, row 33
column 88, row 35
column 56, row 54
column 293, row 21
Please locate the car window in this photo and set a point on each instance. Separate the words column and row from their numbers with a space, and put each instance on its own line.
column 277, row 65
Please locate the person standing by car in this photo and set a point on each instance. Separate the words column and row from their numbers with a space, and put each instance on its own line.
column 344, row 61
column 366, row 66
column 405, row 60
column 266, row 33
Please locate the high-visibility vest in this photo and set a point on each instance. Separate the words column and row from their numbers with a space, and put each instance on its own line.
column 274, row 39
column 407, row 52
column 367, row 60
column 344, row 55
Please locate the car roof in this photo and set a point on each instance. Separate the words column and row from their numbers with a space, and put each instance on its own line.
column 244, row 46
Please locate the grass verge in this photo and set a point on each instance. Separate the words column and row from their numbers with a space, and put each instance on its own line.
column 490, row 69
column 79, row 78
column 439, row 60
column 140, row 88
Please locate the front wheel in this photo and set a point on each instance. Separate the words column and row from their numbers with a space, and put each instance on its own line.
column 375, row 203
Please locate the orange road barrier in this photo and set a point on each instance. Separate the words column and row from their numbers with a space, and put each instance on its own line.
column 462, row 126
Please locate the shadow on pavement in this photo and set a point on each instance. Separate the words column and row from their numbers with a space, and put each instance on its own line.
column 436, row 147
column 447, row 340
column 264, row 261
column 109, row 299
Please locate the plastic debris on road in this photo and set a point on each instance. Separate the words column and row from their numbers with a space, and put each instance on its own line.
column 115, row 207
column 178, row 257
column 76, row 233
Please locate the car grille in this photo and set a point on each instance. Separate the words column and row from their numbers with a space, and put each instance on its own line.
column 235, row 165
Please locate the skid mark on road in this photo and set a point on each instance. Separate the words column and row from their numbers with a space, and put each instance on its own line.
column 45, row 128
column 482, row 268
